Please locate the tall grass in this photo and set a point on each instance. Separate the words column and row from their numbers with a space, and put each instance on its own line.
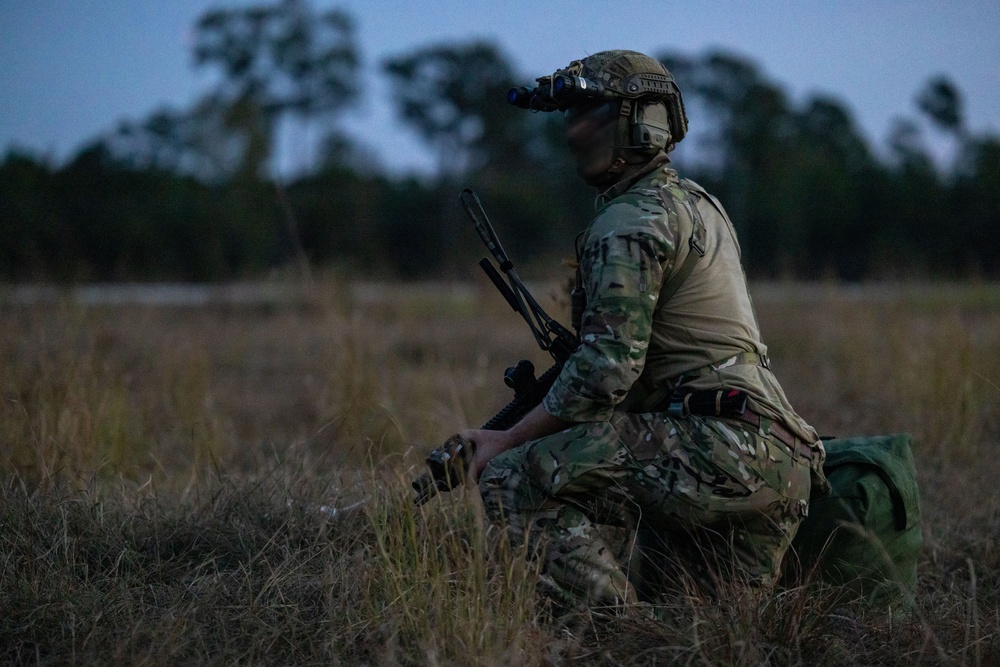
column 229, row 484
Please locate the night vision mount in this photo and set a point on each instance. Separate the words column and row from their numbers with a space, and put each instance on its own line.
column 562, row 90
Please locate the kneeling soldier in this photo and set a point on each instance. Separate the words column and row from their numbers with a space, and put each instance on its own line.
column 667, row 419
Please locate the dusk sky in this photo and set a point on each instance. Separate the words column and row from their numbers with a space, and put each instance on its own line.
column 73, row 69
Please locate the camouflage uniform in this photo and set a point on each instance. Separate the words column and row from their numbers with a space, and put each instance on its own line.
column 695, row 484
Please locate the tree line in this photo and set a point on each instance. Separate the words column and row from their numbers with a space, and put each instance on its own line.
column 192, row 194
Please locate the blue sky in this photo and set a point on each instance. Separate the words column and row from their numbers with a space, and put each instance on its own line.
column 72, row 69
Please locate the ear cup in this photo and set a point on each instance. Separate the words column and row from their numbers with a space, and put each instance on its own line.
column 651, row 126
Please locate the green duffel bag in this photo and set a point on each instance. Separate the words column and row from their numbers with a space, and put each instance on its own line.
column 865, row 534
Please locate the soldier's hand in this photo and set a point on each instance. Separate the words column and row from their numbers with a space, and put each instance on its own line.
column 486, row 445
column 536, row 424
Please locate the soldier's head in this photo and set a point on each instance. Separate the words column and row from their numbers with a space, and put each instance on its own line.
column 622, row 108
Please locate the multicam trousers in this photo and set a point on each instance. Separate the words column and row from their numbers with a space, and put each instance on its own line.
column 710, row 495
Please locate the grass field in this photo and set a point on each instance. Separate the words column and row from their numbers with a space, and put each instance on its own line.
column 162, row 467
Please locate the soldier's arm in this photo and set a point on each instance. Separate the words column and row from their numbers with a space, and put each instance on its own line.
column 536, row 424
column 623, row 272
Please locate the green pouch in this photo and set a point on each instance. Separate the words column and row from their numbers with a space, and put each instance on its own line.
column 865, row 534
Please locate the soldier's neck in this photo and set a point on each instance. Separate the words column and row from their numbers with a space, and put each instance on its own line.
column 630, row 174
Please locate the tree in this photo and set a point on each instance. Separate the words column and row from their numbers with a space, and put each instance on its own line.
column 831, row 173
column 794, row 179
column 30, row 238
column 217, row 140
column 749, row 145
column 453, row 96
column 278, row 61
column 977, row 207
column 942, row 104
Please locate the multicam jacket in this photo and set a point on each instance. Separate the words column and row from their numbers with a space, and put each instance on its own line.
column 635, row 348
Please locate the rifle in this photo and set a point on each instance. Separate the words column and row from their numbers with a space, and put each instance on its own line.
column 447, row 465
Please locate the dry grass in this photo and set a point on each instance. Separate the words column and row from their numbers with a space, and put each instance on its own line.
column 162, row 470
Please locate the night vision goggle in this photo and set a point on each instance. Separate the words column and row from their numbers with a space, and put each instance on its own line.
column 563, row 90
column 558, row 93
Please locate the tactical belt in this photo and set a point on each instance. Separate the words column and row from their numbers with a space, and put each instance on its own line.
column 775, row 429
column 732, row 404
column 659, row 399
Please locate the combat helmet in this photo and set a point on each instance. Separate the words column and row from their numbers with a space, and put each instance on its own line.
column 627, row 105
